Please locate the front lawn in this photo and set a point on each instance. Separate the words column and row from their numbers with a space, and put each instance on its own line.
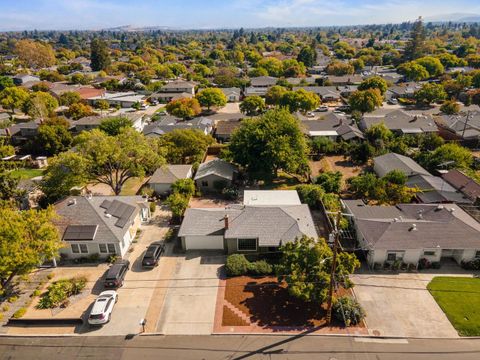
column 459, row 299
column 132, row 186
column 24, row 173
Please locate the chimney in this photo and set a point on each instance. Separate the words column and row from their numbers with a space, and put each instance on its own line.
column 413, row 228
column 225, row 219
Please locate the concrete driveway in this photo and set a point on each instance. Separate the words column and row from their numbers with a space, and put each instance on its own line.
column 401, row 305
column 189, row 307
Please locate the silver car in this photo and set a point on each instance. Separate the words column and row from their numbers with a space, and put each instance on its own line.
column 103, row 307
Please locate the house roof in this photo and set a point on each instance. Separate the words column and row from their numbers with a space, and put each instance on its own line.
column 333, row 125
column 169, row 174
column 415, row 226
column 467, row 129
column 230, row 91
column 270, row 197
column 463, row 183
column 271, row 225
column 434, row 189
column 226, row 127
column 263, row 81
column 217, row 167
column 178, row 84
column 167, row 124
column 399, row 120
column 394, row 161
column 112, row 214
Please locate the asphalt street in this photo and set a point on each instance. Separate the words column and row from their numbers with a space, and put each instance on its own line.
column 237, row 347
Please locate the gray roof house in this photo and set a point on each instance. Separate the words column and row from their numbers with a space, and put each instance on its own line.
column 263, row 81
column 460, row 127
column 104, row 225
column 406, row 233
column 383, row 164
column 433, row 189
column 400, row 122
column 326, row 93
column 167, row 124
column 233, row 94
column 463, row 183
column 163, row 178
column 215, row 171
column 334, row 126
column 246, row 229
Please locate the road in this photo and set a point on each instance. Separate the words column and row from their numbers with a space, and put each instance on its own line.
column 236, row 347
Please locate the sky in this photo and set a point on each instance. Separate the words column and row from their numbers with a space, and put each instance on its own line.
column 208, row 14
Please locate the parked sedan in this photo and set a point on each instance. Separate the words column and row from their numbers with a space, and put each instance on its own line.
column 322, row 109
column 116, row 274
column 152, row 255
column 103, row 307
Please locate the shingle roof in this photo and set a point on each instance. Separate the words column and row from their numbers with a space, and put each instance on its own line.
column 463, row 183
column 434, row 189
column 263, row 81
column 218, row 167
column 169, row 174
column 416, row 226
column 459, row 124
column 394, row 161
column 399, row 120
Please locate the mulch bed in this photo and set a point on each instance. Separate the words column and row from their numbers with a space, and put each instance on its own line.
column 229, row 318
column 268, row 303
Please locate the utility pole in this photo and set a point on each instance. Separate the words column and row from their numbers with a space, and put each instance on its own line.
column 333, row 268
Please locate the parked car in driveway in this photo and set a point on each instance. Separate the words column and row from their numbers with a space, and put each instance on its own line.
column 103, row 307
column 116, row 274
column 152, row 255
column 321, row 109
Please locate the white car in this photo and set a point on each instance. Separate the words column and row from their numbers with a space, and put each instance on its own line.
column 322, row 109
column 103, row 307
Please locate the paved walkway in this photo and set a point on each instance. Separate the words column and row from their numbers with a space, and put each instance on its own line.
column 189, row 307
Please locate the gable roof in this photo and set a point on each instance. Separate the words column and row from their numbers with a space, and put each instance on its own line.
column 466, row 129
column 415, row 226
column 169, row 174
column 434, row 189
column 399, row 120
column 263, row 81
column 394, row 161
column 331, row 125
column 217, row 167
column 463, row 183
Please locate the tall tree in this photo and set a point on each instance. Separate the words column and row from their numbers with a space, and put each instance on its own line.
column 415, row 47
column 252, row 105
column 308, row 56
column 185, row 146
column 212, row 97
column 35, row 54
column 365, row 100
column 114, row 125
column 184, row 108
column 40, row 105
column 99, row 55
column 13, row 98
column 276, row 138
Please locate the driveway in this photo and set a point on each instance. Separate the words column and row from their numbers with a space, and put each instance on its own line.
column 401, row 305
column 189, row 307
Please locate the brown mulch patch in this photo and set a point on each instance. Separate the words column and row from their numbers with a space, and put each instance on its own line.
column 268, row 303
column 229, row 318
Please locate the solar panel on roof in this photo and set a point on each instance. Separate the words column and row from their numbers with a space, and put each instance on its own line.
column 80, row 232
column 105, row 204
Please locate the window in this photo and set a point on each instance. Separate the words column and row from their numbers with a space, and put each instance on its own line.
column 107, row 248
column 391, row 257
column 205, row 183
column 79, row 248
column 272, row 249
column 247, row 244
column 429, row 253
column 477, row 254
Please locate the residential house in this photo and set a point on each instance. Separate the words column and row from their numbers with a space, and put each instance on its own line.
column 383, row 164
column 21, row 79
column 270, row 197
column 233, row 94
column 326, row 93
column 334, row 126
column 88, row 123
column 225, row 128
column 211, row 174
column 400, row 122
column 463, row 183
column 260, row 85
column 19, row 133
column 345, row 79
column 407, row 233
column 104, row 225
column 178, row 86
column 245, row 229
column 167, row 124
column 122, row 99
column 163, row 178
column 463, row 126
column 406, row 90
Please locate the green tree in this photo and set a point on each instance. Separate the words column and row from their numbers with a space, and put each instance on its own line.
column 330, row 181
column 293, row 68
column 8, row 186
column 375, row 82
column 430, row 93
column 184, row 108
column 415, row 47
column 361, row 152
column 52, row 139
column 252, row 105
column 276, row 138
column 69, row 98
column 308, row 56
column 273, row 66
column 449, row 156
column 99, row 55
column 66, row 170
column 27, row 239
column 379, row 135
column 35, row 54
column 300, row 100
column 339, row 68
column 13, row 98
column 413, row 71
column 177, row 203
column 433, row 65
column 365, row 100
column 102, row 105
column 79, row 110
column 5, row 82
column 112, row 160
column 5, row 148
column 212, row 97
column 305, row 267
column 114, row 125
column 274, row 95
column 40, row 105
column 310, row 194
column 184, row 187
column 450, row 107
column 185, row 146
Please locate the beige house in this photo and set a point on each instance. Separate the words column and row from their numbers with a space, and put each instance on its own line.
column 211, row 174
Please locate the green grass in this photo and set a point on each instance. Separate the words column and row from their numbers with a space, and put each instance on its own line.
column 24, row 174
column 459, row 299
column 132, row 186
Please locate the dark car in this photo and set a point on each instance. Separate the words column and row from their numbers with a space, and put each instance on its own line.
column 116, row 274
column 152, row 255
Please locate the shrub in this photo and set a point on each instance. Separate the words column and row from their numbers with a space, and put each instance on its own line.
column 50, row 276
column 12, row 299
column 347, row 310
column 230, row 193
column 112, row 258
column 5, row 307
column 237, row 265
column 471, row 265
column 170, row 235
column 36, row 293
column 19, row 313
column 58, row 292
column 260, row 267
column 153, row 206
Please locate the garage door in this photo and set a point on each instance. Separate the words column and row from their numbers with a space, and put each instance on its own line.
column 204, row 242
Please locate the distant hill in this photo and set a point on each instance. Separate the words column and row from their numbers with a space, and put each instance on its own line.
column 127, row 28
column 456, row 17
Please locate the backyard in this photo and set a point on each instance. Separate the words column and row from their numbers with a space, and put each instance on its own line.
column 25, row 174
column 336, row 163
column 459, row 298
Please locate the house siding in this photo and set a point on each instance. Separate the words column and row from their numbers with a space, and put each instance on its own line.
column 210, row 179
